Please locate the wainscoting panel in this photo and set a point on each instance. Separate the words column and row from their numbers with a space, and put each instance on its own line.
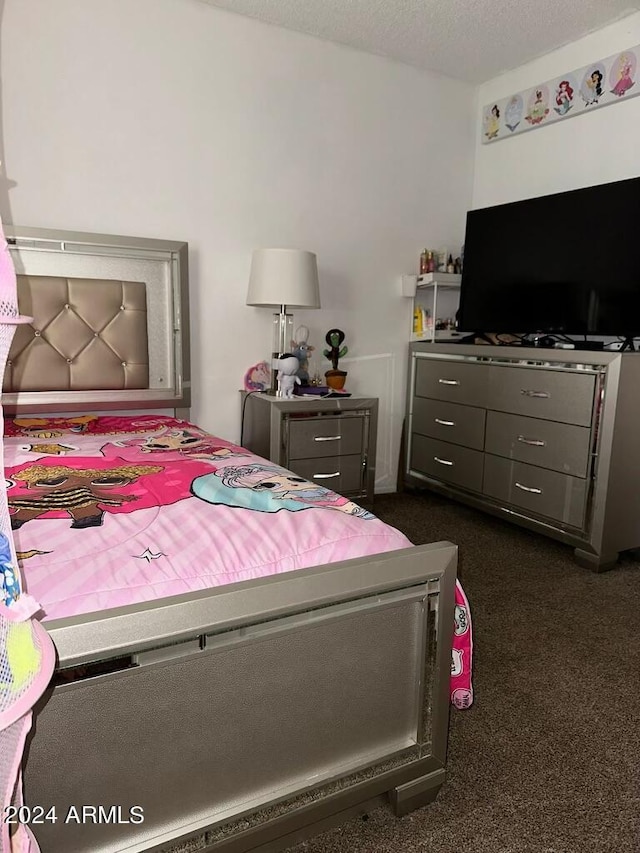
column 374, row 375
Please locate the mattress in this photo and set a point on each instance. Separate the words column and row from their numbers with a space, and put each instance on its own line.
column 111, row 511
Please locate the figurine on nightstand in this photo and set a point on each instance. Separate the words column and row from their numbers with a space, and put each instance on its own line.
column 288, row 366
column 302, row 351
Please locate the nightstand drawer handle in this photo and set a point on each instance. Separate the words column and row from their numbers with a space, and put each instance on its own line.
column 534, row 442
column 529, row 489
column 448, row 381
column 326, row 476
column 327, row 438
column 527, row 393
column 444, row 423
column 442, row 461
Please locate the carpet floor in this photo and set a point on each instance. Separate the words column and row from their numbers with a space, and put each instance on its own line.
column 548, row 758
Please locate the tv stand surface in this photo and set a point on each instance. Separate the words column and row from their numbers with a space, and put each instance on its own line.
column 545, row 438
column 544, row 342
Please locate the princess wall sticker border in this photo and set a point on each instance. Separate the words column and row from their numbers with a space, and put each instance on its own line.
column 603, row 82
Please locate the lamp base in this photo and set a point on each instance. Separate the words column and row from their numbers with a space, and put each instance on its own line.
column 281, row 342
column 273, row 388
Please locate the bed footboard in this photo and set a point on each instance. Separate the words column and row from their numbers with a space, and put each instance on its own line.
column 248, row 714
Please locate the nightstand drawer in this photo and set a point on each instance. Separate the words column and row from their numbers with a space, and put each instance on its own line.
column 457, row 465
column 325, row 436
column 342, row 474
column 449, row 422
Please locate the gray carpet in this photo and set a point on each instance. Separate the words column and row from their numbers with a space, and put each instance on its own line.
column 548, row 758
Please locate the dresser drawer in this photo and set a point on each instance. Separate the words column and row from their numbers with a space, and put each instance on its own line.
column 451, row 463
column 538, row 490
column 548, row 394
column 325, row 436
column 453, row 381
column 343, row 474
column 560, row 447
column 449, row 422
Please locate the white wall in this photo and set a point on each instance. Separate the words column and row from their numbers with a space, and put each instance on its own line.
column 592, row 148
column 172, row 119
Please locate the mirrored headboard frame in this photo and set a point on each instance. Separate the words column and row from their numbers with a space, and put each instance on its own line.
column 162, row 265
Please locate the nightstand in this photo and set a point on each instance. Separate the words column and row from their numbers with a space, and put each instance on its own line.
column 330, row 441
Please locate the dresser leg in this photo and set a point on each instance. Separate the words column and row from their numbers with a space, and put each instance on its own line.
column 595, row 562
column 415, row 794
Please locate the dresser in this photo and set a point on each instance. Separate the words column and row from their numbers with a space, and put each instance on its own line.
column 329, row 441
column 546, row 438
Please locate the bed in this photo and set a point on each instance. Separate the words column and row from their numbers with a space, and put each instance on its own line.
column 246, row 690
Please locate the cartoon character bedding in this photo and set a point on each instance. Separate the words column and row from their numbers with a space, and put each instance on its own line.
column 110, row 511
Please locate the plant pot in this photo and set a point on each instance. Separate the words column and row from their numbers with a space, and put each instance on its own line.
column 336, row 379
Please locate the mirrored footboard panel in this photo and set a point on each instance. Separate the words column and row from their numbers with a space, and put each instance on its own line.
column 236, row 730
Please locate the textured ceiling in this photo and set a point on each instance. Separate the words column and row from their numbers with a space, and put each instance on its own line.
column 471, row 40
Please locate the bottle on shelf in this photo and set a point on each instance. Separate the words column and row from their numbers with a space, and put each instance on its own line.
column 423, row 262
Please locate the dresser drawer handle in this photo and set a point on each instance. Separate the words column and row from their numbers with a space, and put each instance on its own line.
column 527, row 393
column 534, row 442
column 326, row 476
column 529, row 489
column 444, row 423
column 327, row 438
column 442, row 461
column 448, row 381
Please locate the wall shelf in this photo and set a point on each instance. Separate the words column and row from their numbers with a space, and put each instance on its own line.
column 437, row 295
column 412, row 283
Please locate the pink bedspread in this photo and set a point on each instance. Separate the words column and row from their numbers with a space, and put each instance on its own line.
column 110, row 511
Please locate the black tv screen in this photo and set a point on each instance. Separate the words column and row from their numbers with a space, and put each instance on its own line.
column 567, row 263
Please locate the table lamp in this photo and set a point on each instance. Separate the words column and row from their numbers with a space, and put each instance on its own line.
column 282, row 279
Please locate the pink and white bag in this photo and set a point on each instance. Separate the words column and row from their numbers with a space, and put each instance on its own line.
column 27, row 655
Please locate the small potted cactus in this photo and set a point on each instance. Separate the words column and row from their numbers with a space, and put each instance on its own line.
column 335, row 378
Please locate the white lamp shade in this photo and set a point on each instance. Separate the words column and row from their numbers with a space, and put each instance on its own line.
column 284, row 277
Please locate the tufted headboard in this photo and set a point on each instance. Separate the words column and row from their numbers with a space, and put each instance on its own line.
column 110, row 326
column 85, row 335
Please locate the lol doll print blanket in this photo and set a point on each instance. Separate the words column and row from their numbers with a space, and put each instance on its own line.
column 111, row 511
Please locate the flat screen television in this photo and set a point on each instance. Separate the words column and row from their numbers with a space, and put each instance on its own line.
column 567, row 263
